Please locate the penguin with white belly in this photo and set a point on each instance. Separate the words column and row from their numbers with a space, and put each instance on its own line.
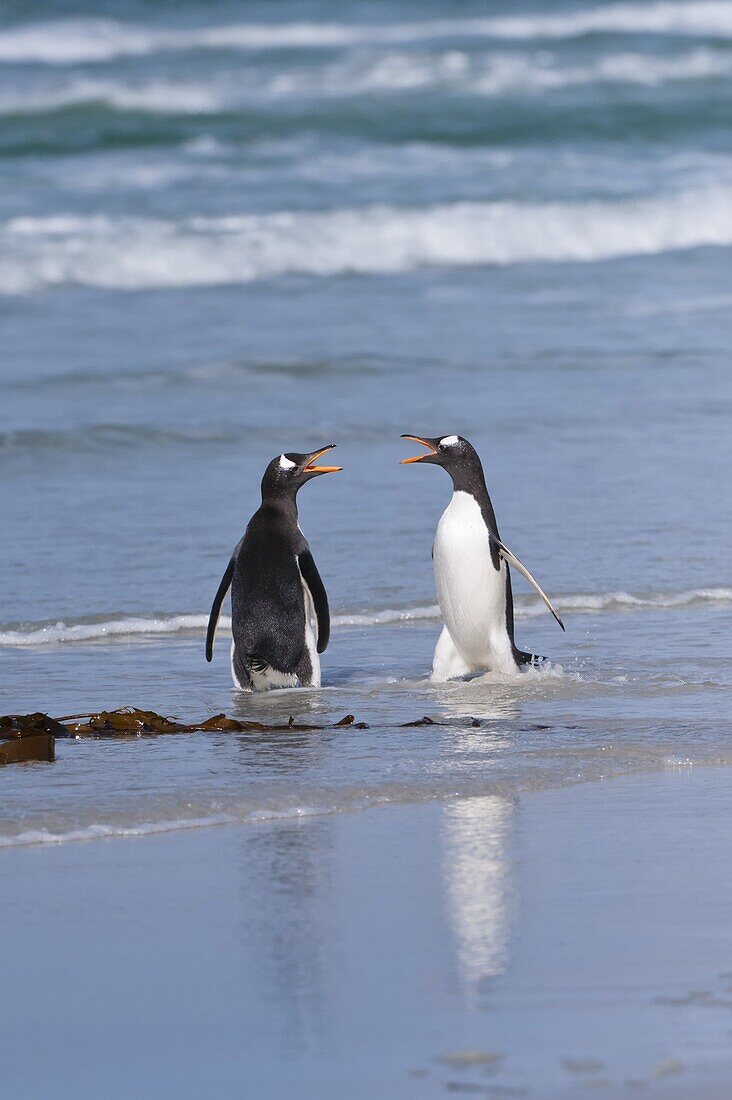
column 276, row 590
column 472, row 574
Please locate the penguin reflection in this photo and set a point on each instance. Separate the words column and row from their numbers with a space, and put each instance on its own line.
column 477, row 876
column 276, row 590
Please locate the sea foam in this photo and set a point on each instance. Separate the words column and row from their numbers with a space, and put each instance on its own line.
column 138, row 253
column 131, row 627
column 489, row 74
column 103, row 831
column 74, row 40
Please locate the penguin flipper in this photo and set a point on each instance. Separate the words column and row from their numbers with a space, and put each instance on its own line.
column 213, row 619
column 311, row 577
column 511, row 559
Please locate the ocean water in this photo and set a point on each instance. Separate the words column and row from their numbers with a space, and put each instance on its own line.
column 233, row 229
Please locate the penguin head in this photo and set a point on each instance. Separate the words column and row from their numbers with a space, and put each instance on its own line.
column 452, row 452
column 456, row 455
column 288, row 472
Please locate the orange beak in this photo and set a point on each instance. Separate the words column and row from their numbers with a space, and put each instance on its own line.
column 418, row 458
column 311, row 469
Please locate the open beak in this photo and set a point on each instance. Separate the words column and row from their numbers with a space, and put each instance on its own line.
column 309, row 468
column 431, row 449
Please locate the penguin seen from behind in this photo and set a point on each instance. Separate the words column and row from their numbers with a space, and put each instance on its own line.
column 276, row 590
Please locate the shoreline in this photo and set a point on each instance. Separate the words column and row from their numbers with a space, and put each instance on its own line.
column 364, row 803
column 572, row 938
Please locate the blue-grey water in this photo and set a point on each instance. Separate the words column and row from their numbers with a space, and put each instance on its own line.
column 232, row 229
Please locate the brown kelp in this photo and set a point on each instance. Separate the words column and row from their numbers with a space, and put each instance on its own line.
column 28, row 737
column 31, row 737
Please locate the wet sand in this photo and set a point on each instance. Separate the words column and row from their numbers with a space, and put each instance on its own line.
column 571, row 942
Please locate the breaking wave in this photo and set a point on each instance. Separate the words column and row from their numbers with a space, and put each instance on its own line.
column 140, row 253
column 74, row 40
column 482, row 74
column 131, row 627
column 154, row 96
column 587, row 603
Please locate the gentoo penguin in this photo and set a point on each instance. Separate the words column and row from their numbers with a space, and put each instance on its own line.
column 472, row 577
column 276, row 589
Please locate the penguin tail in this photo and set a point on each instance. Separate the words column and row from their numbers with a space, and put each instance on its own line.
column 256, row 663
column 533, row 659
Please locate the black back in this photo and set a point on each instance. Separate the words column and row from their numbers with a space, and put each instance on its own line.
column 267, row 599
column 266, row 574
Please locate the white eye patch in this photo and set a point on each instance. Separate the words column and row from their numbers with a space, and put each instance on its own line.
column 449, row 441
column 285, row 463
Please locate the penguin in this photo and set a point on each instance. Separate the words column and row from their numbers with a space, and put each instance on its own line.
column 276, row 590
column 472, row 574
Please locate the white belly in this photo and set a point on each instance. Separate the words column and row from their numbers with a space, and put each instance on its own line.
column 471, row 592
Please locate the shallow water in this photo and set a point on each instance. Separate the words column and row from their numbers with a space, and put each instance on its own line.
column 564, row 941
column 239, row 230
